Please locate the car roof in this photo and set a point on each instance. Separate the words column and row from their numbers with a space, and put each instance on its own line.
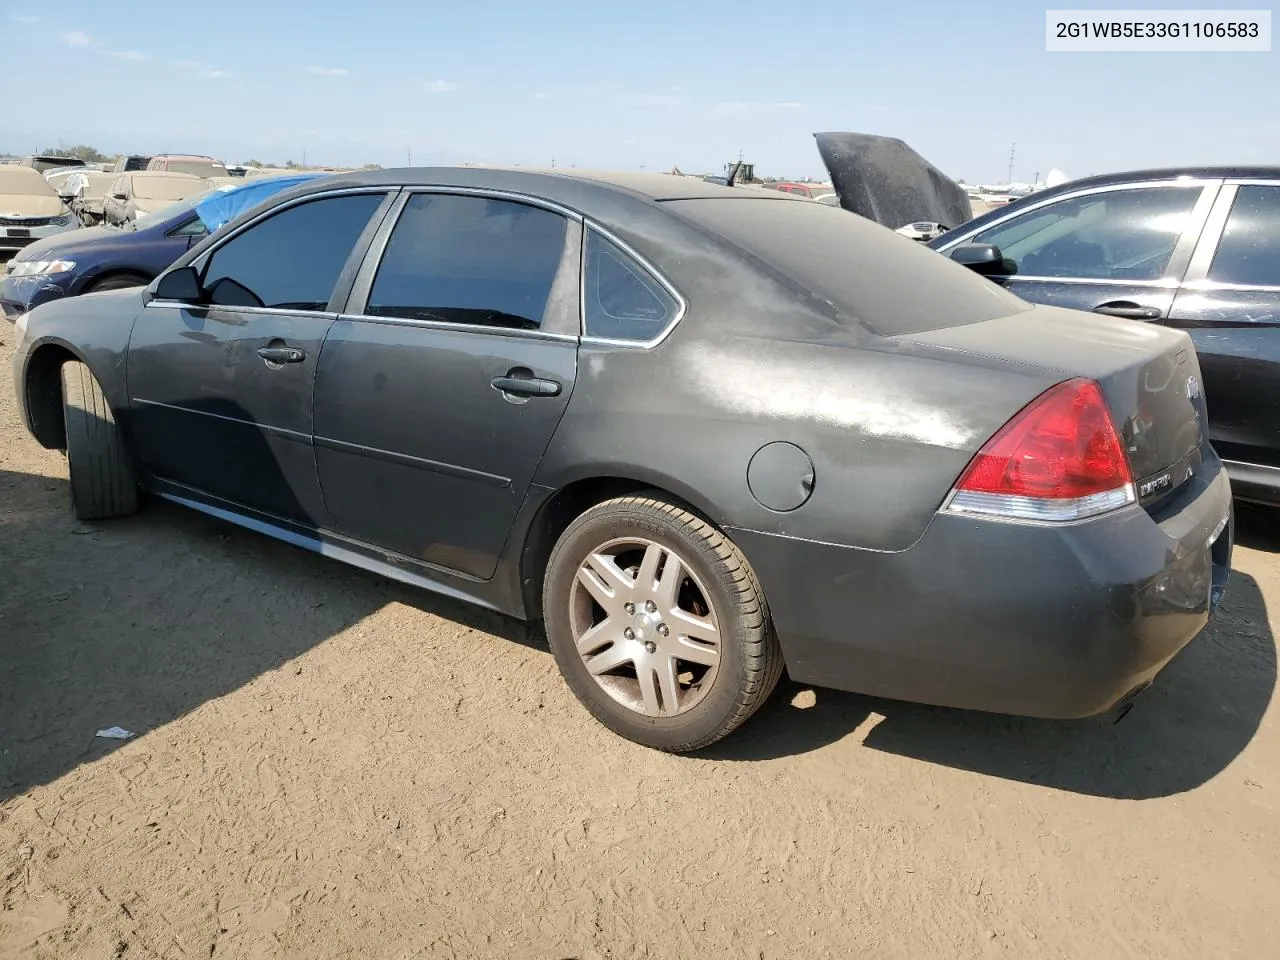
column 180, row 156
column 160, row 175
column 548, row 183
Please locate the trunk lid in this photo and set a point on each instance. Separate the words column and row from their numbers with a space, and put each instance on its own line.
column 1149, row 375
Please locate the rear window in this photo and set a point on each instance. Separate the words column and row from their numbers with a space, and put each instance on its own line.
column 892, row 285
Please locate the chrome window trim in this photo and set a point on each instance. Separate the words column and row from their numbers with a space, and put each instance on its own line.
column 459, row 327
column 682, row 305
column 496, row 194
column 1211, row 286
column 326, row 314
column 1164, row 283
column 1210, row 234
column 366, row 275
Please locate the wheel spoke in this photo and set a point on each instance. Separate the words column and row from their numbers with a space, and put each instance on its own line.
column 685, row 624
column 669, row 683
column 597, row 636
column 668, row 589
column 648, row 678
column 647, row 576
column 695, row 652
column 607, row 585
column 610, row 659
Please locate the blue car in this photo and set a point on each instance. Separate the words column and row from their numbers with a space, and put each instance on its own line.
column 107, row 258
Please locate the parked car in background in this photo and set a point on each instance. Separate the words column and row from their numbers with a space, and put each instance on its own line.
column 184, row 163
column 107, row 258
column 137, row 194
column 30, row 209
column 85, row 191
column 130, row 163
column 46, row 163
column 636, row 405
column 57, row 176
column 810, row 191
column 1195, row 249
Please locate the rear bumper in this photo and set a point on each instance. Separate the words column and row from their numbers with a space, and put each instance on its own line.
column 1047, row 621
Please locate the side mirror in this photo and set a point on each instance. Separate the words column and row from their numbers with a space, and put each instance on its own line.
column 182, row 285
column 984, row 258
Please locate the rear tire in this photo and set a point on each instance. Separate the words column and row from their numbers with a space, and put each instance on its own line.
column 671, row 665
column 103, row 484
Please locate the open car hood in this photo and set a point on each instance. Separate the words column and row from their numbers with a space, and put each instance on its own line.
column 883, row 179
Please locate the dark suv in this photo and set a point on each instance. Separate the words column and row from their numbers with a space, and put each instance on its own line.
column 1197, row 249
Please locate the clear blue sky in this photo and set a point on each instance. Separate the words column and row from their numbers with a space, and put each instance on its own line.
column 622, row 85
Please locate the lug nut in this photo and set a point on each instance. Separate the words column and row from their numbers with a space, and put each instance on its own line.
column 651, row 646
column 664, row 629
column 650, row 606
column 629, row 607
column 629, row 633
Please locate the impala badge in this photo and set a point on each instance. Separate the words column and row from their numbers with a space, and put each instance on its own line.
column 1193, row 388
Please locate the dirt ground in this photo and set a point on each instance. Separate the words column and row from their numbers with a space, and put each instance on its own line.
column 330, row 765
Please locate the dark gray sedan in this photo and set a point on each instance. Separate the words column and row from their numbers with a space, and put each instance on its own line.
column 702, row 432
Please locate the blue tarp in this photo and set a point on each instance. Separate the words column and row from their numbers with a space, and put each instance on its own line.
column 234, row 199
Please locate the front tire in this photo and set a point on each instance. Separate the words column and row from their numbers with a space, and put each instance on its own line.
column 119, row 282
column 102, row 479
column 658, row 625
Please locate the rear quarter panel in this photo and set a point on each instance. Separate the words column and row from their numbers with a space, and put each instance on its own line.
column 887, row 425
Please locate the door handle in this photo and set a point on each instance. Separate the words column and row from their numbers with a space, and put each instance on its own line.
column 281, row 354
column 523, row 383
column 1128, row 310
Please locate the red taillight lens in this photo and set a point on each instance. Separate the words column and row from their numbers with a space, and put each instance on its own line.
column 1060, row 458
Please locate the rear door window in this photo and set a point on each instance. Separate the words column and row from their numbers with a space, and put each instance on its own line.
column 471, row 260
column 1109, row 235
column 291, row 260
column 1249, row 252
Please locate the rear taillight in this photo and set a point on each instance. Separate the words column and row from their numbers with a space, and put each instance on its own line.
column 1059, row 459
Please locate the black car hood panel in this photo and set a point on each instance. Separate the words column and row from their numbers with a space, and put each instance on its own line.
column 883, row 179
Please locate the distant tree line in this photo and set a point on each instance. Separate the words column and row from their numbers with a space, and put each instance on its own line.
column 81, row 152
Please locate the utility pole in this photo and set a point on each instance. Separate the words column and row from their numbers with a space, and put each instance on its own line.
column 553, row 161
column 304, row 156
column 409, row 152
column 1012, row 149
column 1036, row 179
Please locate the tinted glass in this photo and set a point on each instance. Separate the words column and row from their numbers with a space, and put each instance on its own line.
column 623, row 302
column 1115, row 235
column 292, row 260
column 1249, row 251
column 469, row 260
column 890, row 284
